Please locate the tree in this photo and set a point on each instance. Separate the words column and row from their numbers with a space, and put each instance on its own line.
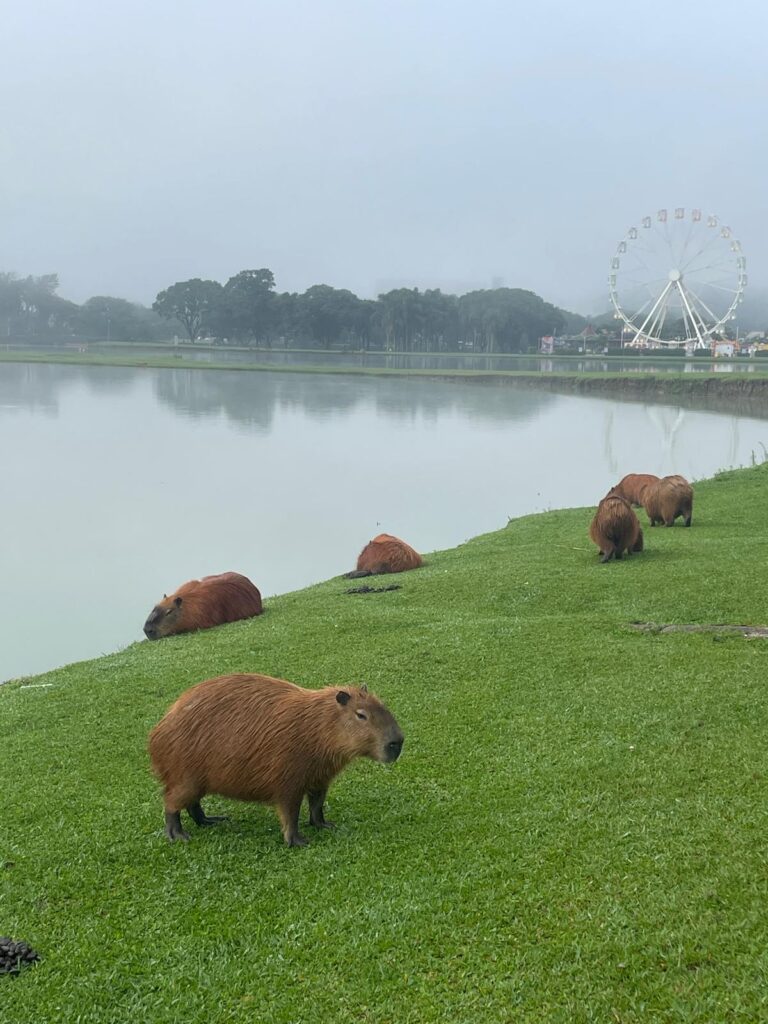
column 248, row 304
column 191, row 303
column 333, row 314
column 105, row 316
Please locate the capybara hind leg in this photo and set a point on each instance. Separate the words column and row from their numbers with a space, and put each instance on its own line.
column 173, row 829
column 316, row 800
column 607, row 555
column 688, row 518
column 289, row 819
column 198, row 815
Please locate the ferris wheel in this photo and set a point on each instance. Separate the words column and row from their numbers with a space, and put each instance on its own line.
column 677, row 279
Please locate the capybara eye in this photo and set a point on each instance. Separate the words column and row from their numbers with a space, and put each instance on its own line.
column 362, row 716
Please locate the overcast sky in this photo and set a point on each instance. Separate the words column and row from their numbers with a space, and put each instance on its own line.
column 373, row 143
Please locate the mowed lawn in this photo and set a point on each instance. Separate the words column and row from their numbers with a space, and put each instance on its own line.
column 576, row 830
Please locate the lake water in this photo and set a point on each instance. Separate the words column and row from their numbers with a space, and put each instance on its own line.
column 120, row 484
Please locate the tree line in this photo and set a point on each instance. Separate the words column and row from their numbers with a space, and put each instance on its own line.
column 248, row 310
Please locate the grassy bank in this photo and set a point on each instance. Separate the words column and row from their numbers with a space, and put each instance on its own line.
column 575, row 831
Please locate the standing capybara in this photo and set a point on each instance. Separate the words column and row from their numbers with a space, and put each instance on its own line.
column 631, row 486
column 201, row 604
column 383, row 554
column 615, row 528
column 252, row 737
column 671, row 497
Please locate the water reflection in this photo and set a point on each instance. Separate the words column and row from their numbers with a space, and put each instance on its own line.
column 456, row 361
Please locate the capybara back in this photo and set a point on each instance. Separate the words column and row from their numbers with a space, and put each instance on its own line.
column 202, row 604
column 615, row 528
column 256, row 738
column 630, row 487
column 385, row 554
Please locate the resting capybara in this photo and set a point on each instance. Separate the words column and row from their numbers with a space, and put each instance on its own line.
column 385, row 553
column 252, row 737
column 201, row 604
column 615, row 528
column 630, row 487
column 671, row 497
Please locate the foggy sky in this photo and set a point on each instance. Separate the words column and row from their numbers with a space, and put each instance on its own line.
column 373, row 143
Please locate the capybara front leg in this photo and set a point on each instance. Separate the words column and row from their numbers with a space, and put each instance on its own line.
column 358, row 574
column 316, row 799
column 289, row 818
column 198, row 815
column 688, row 519
column 173, row 829
column 607, row 555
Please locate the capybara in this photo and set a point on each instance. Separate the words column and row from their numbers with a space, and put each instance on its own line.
column 615, row 528
column 252, row 737
column 385, row 553
column 201, row 604
column 671, row 497
column 630, row 487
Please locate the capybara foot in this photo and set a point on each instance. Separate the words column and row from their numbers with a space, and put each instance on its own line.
column 297, row 839
column 173, row 829
column 357, row 574
column 607, row 556
column 198, row 815
column 688, row 521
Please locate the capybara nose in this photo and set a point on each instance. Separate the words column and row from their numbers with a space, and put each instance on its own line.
column 394, row 748
column 150, row 632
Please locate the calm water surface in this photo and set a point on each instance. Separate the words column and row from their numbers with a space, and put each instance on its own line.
column 120, row 484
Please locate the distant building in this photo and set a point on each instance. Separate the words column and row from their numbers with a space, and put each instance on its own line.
column 725, row 349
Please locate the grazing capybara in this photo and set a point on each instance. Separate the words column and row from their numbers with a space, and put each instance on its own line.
column 385, row 553
column 671, row 497
column 631, row 486
column 252, row 737
column 615, row 528
column 201, row 604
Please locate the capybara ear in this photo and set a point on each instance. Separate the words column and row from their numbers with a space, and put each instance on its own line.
column 165, row 596
column 177, row 602
column 363, row 688
column 342, row 697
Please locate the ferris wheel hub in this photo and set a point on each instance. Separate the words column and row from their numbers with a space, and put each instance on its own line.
column 675, row 275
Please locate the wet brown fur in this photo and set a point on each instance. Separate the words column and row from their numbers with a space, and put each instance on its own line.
column 201, row 604
column 386, row 553
column 252, row 737
column 615, row 528
column 671, row 497
column 631, row 486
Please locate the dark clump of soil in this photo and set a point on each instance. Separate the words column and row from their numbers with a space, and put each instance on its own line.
column 373, row 590
column 15, row 955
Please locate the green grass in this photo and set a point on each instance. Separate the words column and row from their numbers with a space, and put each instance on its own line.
column 576, row 830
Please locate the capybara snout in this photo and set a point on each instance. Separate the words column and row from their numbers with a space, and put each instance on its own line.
column 378, row 735
column 162, row 618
